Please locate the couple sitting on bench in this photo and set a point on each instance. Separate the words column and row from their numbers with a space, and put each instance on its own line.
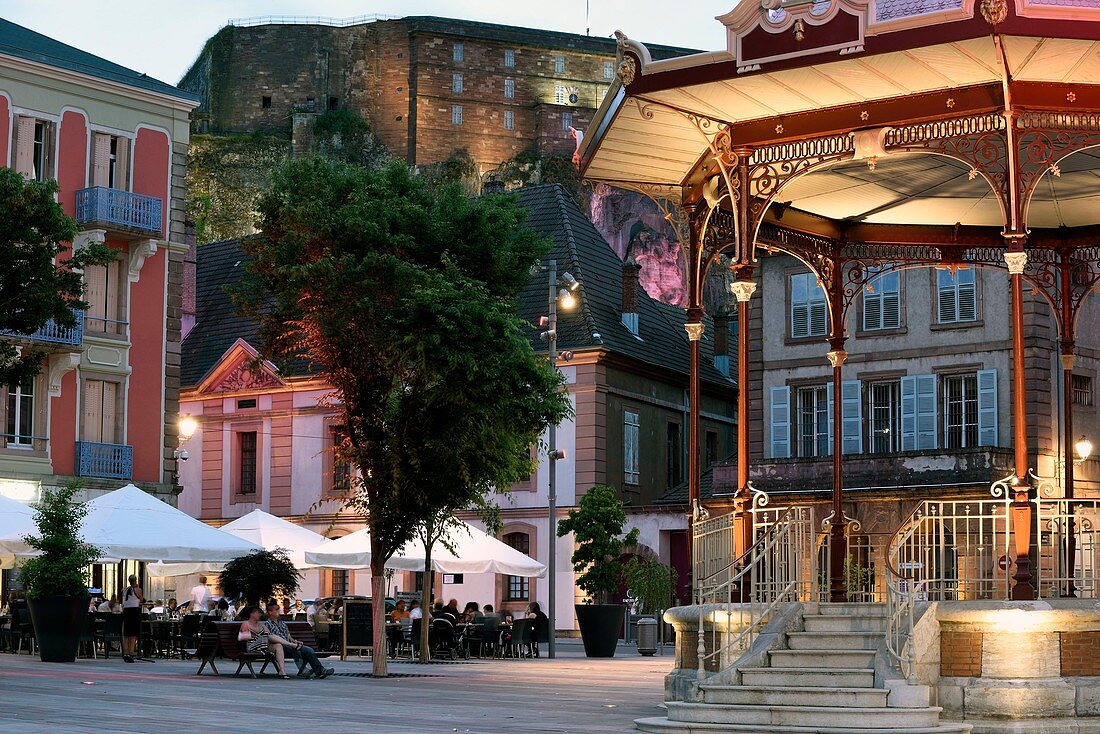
column 271, row 637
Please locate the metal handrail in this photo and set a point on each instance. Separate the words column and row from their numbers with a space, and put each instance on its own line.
column 777, row 568
column 324, row 20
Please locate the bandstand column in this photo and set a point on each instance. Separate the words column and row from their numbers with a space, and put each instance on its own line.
column 1022, row 588
column 1067, row 343
column 838, row 539
column 694, row 328
column 742, row 289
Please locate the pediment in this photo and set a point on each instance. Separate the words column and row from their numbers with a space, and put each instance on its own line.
column 241, row 369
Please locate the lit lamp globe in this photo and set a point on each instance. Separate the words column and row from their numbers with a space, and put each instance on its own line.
column 187, row 426
column 566, row 299
column 1083, row 448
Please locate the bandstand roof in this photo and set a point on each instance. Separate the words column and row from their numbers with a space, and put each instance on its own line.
column 795, row 70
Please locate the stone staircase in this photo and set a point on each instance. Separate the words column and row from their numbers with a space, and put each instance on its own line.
column 823, row 683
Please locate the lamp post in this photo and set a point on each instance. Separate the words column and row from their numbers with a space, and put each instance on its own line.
column 185, row 429
column 558, row 291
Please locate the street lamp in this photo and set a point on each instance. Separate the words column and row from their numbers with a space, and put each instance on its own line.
column 1083, row 449
column 185, row 429
column 560, row 292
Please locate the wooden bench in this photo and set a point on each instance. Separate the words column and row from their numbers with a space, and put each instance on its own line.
column 219, row 639
column 207, row 648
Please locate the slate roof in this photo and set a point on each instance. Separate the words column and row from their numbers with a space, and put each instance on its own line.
column 23, row 43
column 578, row 248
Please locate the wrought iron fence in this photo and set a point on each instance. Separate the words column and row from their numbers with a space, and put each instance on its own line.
column 104, row 460
column 54, row 333
column 308, row 20
column 114, row 207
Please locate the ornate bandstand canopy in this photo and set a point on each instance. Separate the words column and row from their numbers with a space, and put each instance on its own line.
column 861, row 136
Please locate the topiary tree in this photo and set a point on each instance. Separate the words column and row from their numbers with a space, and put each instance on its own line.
column 597, row 526
column 260, row 575
column 61, row 568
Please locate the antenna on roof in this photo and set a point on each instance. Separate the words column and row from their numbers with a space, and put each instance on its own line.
column 587, row 25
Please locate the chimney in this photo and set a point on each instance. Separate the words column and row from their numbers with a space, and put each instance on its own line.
column 630, row 294
column 722, row 342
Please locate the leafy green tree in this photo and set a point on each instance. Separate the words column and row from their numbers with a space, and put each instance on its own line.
column 259, row 576
column 651, row 582
column 597, row 525
column 403, row 296
column 342, row 135
column 61, row 566
column 40, row 279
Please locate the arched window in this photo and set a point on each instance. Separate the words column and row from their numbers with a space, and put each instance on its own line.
column 518, row 588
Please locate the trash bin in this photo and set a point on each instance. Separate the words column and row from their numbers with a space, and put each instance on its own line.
column 647, row 635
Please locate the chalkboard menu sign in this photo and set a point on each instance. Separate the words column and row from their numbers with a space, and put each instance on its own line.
column 358, row 625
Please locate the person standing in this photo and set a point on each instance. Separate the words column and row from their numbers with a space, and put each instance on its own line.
column 132, row 599
column 200, row 595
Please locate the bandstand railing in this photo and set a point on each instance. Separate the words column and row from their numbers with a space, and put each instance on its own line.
column 963, row 550
column 739, row 597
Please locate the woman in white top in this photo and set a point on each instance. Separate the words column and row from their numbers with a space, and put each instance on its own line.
column 132, row 599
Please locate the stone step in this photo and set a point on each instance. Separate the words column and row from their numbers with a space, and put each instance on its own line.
column 834, row 623
column 858, row 659
column 833, row 640
column 795, row 696
column 665, row 726
column 815, row 677
column 815, row 716
column 852, row 609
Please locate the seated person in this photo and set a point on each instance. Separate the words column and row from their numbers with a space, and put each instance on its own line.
column 399, row 612
column 337, row 610
column 111, row 606
column 451, row 610
column 224, row 613
column 471, row 612
column 172, row 607
column 279, row 641
column 157, row 608
column 415, row 612
column 487, row 611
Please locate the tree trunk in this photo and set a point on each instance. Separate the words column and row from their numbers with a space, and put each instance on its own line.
column 426, row 590
column 378, row 610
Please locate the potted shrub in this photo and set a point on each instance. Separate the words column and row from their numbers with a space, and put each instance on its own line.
column 56, row 579
column 259, row 576
column 597, row 527
column 651, row 583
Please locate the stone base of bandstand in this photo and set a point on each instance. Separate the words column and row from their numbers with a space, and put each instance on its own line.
column 1004, row 667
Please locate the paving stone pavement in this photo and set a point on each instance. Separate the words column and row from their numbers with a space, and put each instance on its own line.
column 568, row 695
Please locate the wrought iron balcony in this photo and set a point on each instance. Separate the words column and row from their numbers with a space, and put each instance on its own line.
column 116, row 209
column 104, row 460
column 54, row 333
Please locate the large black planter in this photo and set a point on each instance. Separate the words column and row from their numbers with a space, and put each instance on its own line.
column 600, row 625
column 58, row 622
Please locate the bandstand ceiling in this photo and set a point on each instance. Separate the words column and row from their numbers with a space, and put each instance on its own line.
column 930, row 189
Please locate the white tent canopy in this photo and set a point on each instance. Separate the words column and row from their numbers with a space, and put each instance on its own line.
column 474, row 552
column 263, row 529
column 16, row 520
column 130, row 523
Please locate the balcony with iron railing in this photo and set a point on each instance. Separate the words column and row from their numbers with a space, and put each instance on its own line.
column 104, row 460
column 54, row 333
column 117, row 210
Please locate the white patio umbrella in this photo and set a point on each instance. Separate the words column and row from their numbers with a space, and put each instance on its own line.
column 130, row 523
column 474, row 552
column 263, row 529
column 16, row 520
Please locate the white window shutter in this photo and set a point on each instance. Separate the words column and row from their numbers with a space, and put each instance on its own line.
column 101, row 159
column 95, row 293
column 908, row 413
column 927, row 411
column 24, row 146
column 109, row 432
column 987, row 407
column 93, row 410
column 852, row 418
column 122, row 164
column 781, row 422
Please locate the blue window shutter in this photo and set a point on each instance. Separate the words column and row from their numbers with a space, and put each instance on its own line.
column 908, row 413
column 987, row 407
column 781, row 422
column 852, row 417
column 927, row 411
column 829, row 408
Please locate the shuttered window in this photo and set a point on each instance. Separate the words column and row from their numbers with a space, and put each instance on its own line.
column 960, row 411
column 631, row 425
column 884, row 416
column 101, row 411
column 956, row 296
column 781, row 422
column 101, row 291
column 809, row 312
column 813, row 421
column 851, row 414
column 34, row 147
column 882, row 302
column 919, row 411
